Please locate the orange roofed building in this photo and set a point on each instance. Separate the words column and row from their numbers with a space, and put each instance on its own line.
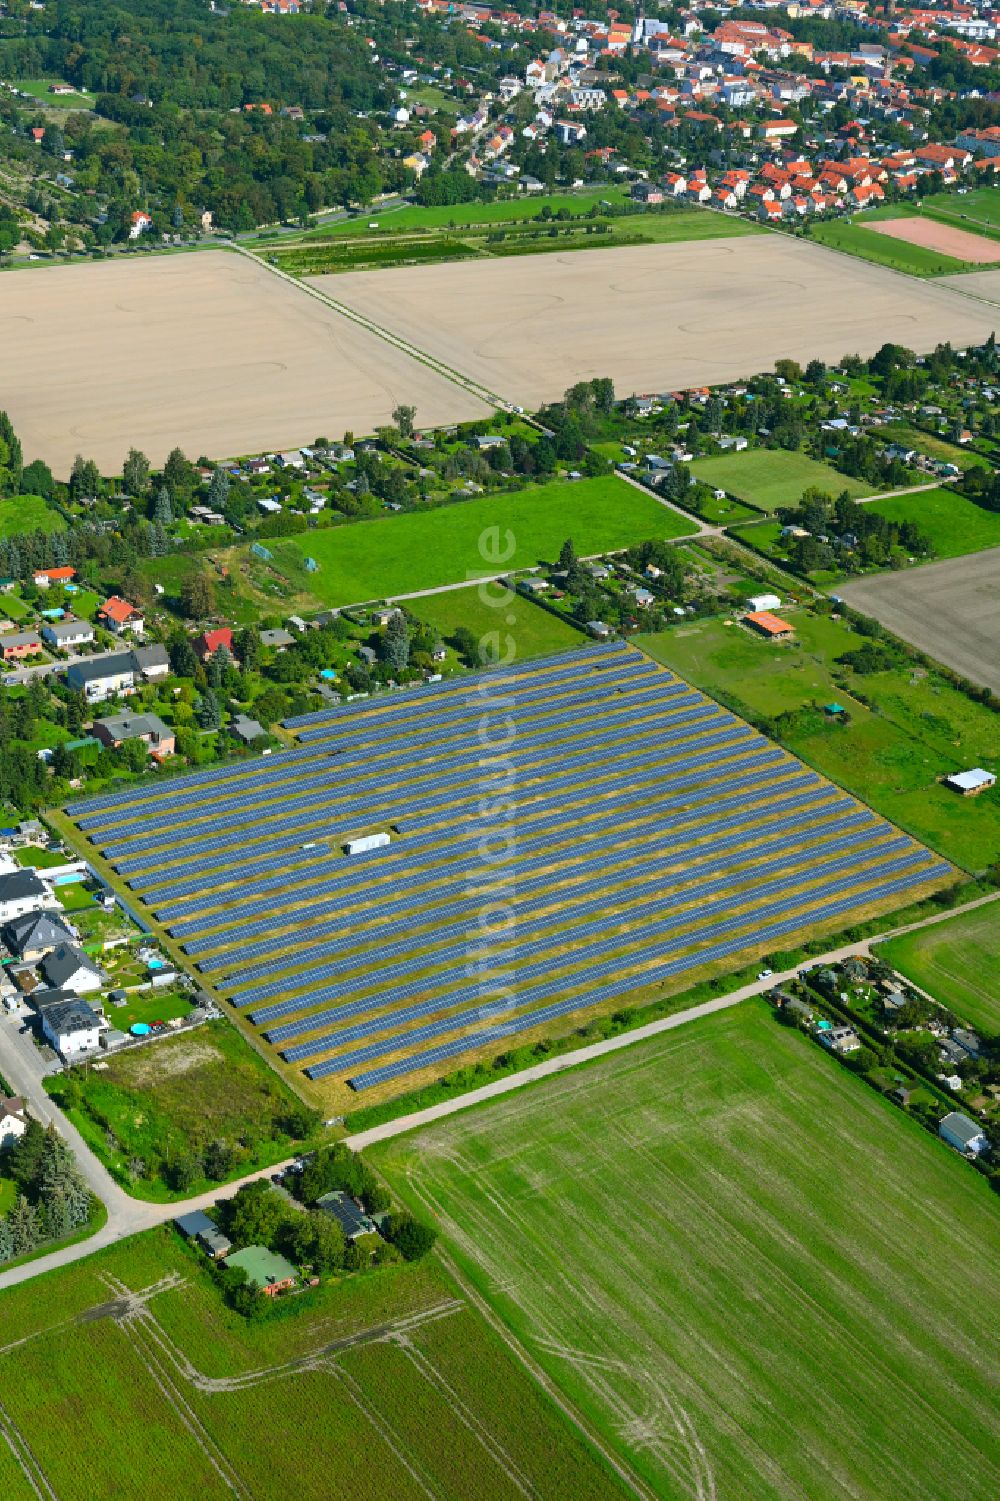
column 771, row 626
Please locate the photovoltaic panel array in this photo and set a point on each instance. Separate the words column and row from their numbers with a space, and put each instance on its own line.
column 563, row 833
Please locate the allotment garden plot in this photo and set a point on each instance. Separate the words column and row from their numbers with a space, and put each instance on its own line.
column 624, row 831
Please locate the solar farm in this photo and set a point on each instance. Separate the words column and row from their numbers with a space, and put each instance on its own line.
column 631, row 833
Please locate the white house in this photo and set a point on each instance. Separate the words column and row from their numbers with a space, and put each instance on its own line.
column 71, row 1026
column 23, row 891
column 971, row 783
column 67, row 633
column 764, row 602
column 102, row 677
column 963, row 1134
column 13, row 1122
column 68, row 968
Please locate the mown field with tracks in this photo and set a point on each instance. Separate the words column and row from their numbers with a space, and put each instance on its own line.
column 728, row 1253
column 389, row 1385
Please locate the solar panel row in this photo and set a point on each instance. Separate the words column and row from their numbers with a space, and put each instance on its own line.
column 632, row 689
column 191, row 926
column 625, row 984
column 590, row 961
column 539, row 755
column 586, row 853
column 551, row 933
column 409, row 852
column 766, row 765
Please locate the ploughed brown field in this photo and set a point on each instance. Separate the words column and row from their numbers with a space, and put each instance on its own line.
column 950, row 610
column 208, row 351
column 655, row 317
column 933, row 236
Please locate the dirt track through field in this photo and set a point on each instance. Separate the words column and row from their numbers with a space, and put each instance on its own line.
column 655, row 317
column 950, row 610
column 934, row 236
column 208, row 351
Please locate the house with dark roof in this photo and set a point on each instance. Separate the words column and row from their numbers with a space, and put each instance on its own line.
column 963, row 1134
column 351, row 1219
column 69, row 968
column 152, row 661
column 13, row 1121
column 71, row 1025
column 37, row 934
column 21, row 892
column 149, row 728
column 103, row 677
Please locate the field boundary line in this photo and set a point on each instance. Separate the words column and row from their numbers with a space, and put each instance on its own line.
column 456, row 377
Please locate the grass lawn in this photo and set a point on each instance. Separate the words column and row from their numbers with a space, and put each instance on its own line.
column 525, row 629
column 148, row 1006
column 771, row 477
column 780, row 1266
column 409, row 552
column 40, row 859
column 27, row 513
column 445, row 1412
column 891, row 758
column 958, row 962
column 8, row 1194
column 883, row 250
column 434, row 216
column 934, row 446
column 38, row 88
column 725, row 512
column 954, row 524
column 75, row 898
column 176, row 1096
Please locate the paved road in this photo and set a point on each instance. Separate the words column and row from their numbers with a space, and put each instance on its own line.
column 127, row 1216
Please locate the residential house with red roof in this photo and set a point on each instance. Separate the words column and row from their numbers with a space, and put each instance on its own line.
column 209, row 642
column 118, row 616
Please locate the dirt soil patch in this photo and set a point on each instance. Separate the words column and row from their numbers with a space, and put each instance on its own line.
column 933, row 236
column 949, row 610
column 207, row 350
column 655, row 317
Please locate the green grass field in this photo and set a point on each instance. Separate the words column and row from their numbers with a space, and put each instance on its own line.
column 405, row 553
column 416, row 216
column 403, row 1391
column 516, row 231
column 958, row 962
column 897, row 255
column 954, row 524
column 38, row 88
column 177, row 1096
column 934, row 446
column 28, row 513
column 771, row 477
column 734, row 1258
column 890, row 755
column 525, row 629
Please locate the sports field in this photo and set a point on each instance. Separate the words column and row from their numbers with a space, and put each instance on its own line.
column 641, row 836
column 860, row 238
column 772, row 477
column 951, row 610
column 946, row 239
column 891, row 754
column 958, row 962
column 243, row 362
column 489, row 535
column 655, row 317
column 389, row 1385
column 729, row 1254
